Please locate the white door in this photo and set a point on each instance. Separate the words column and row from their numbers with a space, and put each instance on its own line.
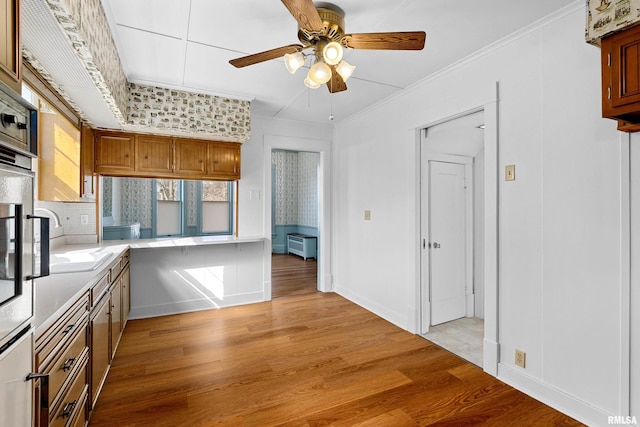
column 447, row 241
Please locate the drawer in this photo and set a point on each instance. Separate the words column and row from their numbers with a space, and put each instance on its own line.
column 74, row 402
column 116, row 269
column 62, row 368
column 81, row 416
column 100, row 288
column 124, row 260
column 61, row 332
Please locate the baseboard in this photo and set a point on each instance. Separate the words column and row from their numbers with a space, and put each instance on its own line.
column 398, row 319
column 158, row 310
column 557, row 399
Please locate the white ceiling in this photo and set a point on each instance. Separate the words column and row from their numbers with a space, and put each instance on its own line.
column 187, row 44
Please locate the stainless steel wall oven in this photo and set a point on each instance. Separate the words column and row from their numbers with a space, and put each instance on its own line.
column 24, row 256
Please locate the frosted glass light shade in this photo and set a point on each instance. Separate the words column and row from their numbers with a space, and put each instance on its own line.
column 311, row 84
column 320, row 72
column 332, row 53
column 293, row 61
column 345, row 70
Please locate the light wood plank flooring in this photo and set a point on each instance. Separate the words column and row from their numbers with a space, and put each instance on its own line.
column 304, row 359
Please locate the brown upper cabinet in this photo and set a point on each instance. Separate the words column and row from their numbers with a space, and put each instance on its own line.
column 10, row 56
column 114, row 153
column 621, row 77
column 153, row 154
column 156, row 156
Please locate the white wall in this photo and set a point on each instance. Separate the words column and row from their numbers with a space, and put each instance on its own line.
column 252, row 182
column 635, row 274
column 559, row 222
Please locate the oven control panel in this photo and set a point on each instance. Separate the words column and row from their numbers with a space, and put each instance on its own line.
column 18, row 123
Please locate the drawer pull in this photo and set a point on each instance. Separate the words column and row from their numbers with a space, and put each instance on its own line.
column 68, row 329
column 68, row 364
column 68, row 409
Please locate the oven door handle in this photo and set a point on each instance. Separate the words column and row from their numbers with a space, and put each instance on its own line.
column 44, row 246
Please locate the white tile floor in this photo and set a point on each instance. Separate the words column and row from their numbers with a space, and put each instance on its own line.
column 462, row 337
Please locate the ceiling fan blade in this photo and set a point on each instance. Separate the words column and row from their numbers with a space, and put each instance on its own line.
column 336, row 84
column 306, row 14
column 410, row 40
column 265, row 56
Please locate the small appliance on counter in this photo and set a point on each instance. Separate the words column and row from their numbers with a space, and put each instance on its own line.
column 18, row 252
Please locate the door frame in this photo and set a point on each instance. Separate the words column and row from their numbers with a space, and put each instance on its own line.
column 491, row 346
column 467, row 162
column 323, row 148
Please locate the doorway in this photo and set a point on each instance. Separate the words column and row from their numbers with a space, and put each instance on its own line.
column 294, row 201
column 452, row 259
column 323, row 149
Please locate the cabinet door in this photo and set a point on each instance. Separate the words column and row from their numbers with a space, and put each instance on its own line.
column 58, row 156
column 116, row 315
column 154, row 154
column 100, row 346
column 224, row 160
column 621, row 75
column 10, row 43
column 88, row 179
column 191, row 157
column 114, row 153
column 126, row 296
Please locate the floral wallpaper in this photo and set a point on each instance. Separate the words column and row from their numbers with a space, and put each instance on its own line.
column 607, row 16
column 296, row 188
column 172, row 109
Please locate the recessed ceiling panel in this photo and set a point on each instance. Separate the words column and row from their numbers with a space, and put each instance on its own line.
column 316, row 105
column 208, row 69
column 167, row 17
column 242, row 26
column 151, row 57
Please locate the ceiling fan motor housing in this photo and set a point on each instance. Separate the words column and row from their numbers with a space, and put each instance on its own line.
column 333, row 21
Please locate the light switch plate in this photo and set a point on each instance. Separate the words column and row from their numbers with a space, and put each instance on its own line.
column 510, row 173
column 367, row 215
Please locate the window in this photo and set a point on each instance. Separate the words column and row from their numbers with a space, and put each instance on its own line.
column 169, row 207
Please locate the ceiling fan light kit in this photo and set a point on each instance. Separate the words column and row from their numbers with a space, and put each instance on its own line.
column 320, row 72
column 322, row 29
column 293, row 61
column 332, row 53
column 345, row 70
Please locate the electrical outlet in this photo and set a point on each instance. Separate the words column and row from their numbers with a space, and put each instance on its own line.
column 84, row 219
column 521, row 358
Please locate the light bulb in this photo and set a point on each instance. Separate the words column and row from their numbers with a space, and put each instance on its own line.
column 320, row 72
column 345, row 70
column 332, row 53
column 293, row 61
column 311, row 84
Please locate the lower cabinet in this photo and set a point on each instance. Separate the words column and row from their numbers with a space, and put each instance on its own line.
column 108, row 317
column 74, row 354
column 62, row 354
column 100, row 345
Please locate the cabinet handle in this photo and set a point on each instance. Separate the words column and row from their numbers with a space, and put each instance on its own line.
column 67, row 410
column 68, row 364
column 68, row 329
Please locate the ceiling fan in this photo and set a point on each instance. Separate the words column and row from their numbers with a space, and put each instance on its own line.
column 321, row 28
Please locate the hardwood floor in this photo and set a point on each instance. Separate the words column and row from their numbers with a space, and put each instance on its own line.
column 304, row 359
